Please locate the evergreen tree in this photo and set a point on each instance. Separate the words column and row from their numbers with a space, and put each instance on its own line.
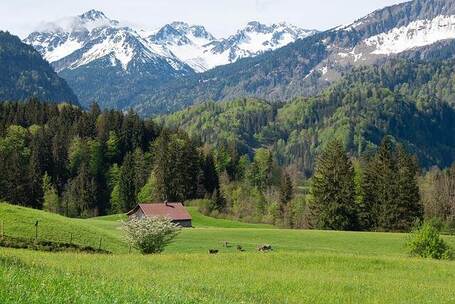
column 141, row 170
column 385, row 171
column 177, row 167
column 127, row 184
column 366, row 216
column 286, row 192
column 211, row 180
column 333, row 189
column 113, row 147
column 80, row 196
column 286, row 189
column 35, row 188
column 163, row 166
column 410, row 207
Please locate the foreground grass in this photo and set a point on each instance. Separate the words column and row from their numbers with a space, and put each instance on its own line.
column 305, row 266
column 311, row 277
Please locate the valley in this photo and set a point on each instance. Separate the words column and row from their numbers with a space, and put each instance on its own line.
column 218, row 159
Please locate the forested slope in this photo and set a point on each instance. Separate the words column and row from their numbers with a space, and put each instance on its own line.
column 24, row 73
column 412, row 101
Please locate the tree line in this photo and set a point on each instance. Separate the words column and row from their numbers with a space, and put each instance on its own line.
column 380, row 193
column 88, row 163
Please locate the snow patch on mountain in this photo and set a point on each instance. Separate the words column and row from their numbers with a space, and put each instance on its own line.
column 416, row 34
column 61, row 51
column 115, row 46
column 257, row 38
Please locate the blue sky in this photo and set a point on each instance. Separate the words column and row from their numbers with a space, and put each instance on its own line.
column 221, row 17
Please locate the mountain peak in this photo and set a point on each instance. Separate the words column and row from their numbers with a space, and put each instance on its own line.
column 93, row 15
column 180, row 25
column 256, row 26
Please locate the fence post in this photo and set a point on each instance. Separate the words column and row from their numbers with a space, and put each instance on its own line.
column 71, row 238
column 101, row 239
column 36, row 231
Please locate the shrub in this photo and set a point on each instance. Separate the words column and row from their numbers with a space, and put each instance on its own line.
column 204, row 206
column 426, row 242
column 150, row 235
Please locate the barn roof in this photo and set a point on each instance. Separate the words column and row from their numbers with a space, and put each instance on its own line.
column 174, row 211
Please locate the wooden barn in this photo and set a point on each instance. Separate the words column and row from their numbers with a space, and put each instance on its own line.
column 174, row 211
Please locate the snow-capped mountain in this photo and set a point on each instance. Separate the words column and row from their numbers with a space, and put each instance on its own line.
column 94, row 36
column 419, row 29
column 77, row 41
column 112, row 63
column 163, row 70
column 399, row 30
column 202, row 51
column 257, row 38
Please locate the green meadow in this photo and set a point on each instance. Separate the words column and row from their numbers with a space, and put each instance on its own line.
column 305, row 266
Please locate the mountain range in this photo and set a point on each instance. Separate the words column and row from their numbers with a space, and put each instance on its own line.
column 389, row 73
column 417, row 29
column 112, row 63
column 165, row 70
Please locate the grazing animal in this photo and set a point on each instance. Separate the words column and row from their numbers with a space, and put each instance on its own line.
column 265, row 248
column 226, row 244
column 240, row 248
column 213, row 251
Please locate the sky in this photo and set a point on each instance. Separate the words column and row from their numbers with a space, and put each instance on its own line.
column 220, row 17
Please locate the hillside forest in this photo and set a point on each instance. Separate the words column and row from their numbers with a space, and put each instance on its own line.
column 80, row 163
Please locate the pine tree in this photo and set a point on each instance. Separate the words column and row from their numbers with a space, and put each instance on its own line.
column 286, row 192
column 113, row 147
column 141, row 170
column 80, row 195
column 410, row 207
column 211, row 180
column 127, row 184
column 286, row 189
column 177, row 167
column 385, row 169
column 35, row 187
column 333, row 189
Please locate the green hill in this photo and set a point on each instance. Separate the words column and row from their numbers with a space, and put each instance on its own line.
column 20, row 222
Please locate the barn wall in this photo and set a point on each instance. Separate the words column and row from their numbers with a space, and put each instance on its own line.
column 184, row 223
column 139, row 214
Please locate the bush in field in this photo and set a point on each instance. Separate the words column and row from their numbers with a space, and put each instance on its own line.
column 425, row 242
column 150, row 235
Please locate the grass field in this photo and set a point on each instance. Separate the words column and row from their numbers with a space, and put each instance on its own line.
column 305, row 267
